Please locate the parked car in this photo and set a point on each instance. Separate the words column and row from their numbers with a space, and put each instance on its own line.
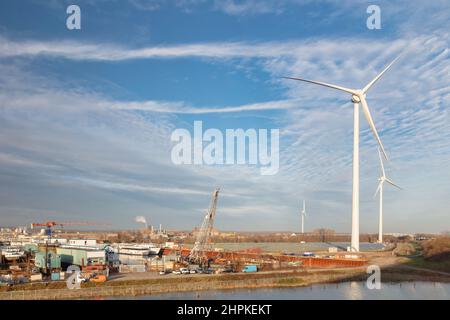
column 308, row 254
column 192, row 271
column 184, row 270
column 227, row 270
column 207, row 271
column 176, row 272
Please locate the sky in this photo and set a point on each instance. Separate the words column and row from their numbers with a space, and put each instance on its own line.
column 86, row 116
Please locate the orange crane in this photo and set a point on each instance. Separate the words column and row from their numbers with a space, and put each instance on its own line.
column 49, row 225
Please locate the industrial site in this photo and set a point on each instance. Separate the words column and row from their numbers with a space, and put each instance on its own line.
column 224, row 150
column 53, row 255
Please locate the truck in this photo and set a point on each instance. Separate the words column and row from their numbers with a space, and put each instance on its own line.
column 250, row 268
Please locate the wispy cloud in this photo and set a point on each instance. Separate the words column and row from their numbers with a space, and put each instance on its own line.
column 181, row 108
column 148, row 5
column 137, row 187
column 250, row 7
column 222, row 50
column 65, row 146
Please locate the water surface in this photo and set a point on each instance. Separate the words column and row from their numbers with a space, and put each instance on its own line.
column 343, row 291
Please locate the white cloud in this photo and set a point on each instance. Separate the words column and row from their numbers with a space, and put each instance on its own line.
column 111, row 148
column 221, row 50
column 181, row 108
column 147, row 5
column 250, row 7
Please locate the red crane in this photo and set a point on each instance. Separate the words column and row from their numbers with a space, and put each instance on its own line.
column 49, row 225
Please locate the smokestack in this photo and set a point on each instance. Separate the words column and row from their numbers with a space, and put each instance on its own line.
column 141, row 219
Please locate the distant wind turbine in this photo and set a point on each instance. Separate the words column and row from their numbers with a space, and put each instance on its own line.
column 303, row 213
column 382, row 179
column 358, row 97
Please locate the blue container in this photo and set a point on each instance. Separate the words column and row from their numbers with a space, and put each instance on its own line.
column 55, row 276
column 250, row 268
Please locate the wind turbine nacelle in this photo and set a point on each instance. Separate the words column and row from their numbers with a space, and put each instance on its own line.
column 355, row 99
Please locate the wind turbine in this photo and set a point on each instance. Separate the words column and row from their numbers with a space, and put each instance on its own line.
column 358, row 97
column 303, row 213
column 382, row 179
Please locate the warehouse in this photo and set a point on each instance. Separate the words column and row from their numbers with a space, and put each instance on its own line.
column 81, row 255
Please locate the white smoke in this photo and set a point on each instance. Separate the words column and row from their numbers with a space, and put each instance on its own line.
column 141, row 219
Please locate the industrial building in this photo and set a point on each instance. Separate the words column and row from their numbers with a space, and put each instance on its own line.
column 81, row 255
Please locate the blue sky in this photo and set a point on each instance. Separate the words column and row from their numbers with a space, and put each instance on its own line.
column 86, row 115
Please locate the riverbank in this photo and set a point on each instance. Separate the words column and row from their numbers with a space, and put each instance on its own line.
column 185, row 283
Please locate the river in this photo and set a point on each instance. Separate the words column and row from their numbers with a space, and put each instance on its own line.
column 343, row 291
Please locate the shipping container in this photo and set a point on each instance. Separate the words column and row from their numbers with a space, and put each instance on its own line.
column 36, row 277
column 55, row 276
column 250, row 268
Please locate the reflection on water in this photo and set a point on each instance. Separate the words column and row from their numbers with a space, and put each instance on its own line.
column 342, row 291
column 355, row 292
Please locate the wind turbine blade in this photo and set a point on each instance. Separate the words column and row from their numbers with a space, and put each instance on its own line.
column 369, row 119
column 304, row 208
column 392, row 183
column 351, row 91
column 371, row 83
column 378, row 189
column 382, row 164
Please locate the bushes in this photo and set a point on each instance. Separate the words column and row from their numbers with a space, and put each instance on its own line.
column 404, row 249
column 437, row 249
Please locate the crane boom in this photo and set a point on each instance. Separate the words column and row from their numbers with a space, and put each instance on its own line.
column 49, row 225
column 203, row 241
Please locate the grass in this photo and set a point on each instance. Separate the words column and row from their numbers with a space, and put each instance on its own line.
column 435, row 254
column 290, row 281
column 422, row 262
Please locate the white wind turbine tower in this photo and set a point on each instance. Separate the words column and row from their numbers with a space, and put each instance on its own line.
column 358, row 97
column 382, row 179
column 303, row 213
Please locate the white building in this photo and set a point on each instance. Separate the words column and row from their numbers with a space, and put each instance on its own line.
column 82, row 242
